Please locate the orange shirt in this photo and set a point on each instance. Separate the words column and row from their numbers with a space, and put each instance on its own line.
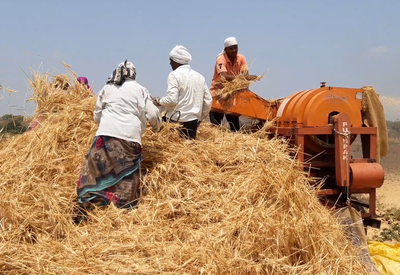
column 223, row 64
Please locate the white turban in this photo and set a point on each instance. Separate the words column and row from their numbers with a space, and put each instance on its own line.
column 180, row 55
column 230, row 41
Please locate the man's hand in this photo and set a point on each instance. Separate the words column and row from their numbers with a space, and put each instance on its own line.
column 156, row 101
column 250, row 77
column 219, row 86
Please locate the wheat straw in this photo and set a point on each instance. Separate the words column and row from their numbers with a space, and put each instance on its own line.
column 231, row 87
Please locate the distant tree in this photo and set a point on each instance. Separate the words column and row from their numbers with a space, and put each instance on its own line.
column 15, row 125
column 7, row 117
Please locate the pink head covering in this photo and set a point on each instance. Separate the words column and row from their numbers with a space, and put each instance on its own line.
column 83, row 80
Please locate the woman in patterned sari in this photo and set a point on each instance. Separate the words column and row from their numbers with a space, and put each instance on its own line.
column 111, row 171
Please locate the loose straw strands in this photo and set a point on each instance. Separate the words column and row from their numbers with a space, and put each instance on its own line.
column 227, row 203
column 7, row 89
column 239, row 83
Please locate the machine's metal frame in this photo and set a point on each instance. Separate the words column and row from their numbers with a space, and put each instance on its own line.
column 297, row 121
column 368, row 139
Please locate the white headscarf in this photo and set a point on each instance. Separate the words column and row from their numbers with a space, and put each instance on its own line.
column 180, row 55
column 230, row 41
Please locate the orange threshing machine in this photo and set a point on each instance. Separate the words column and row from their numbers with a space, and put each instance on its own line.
column 323, row 123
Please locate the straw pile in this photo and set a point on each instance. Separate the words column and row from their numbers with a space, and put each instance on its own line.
column 227, row 203
column 231, row 87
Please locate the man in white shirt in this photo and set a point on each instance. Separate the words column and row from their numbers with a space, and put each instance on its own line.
column 188, row 100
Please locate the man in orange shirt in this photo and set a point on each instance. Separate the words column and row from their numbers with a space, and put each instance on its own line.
column 229, row 64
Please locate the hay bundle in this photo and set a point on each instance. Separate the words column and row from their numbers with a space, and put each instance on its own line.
column 231, row 87
column 51, row 93
column 225, row 204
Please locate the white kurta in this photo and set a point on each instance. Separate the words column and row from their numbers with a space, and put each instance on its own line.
column 187, row 93
column 121, row 111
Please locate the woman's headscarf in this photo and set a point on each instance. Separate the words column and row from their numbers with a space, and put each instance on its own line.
column 83, row 81
column 125, row 70
column 180, row 55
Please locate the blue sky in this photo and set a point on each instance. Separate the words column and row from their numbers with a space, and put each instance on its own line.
column 301, row 43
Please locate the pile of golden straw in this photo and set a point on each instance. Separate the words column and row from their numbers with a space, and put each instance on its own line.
column 228, row 203
column 231, row 87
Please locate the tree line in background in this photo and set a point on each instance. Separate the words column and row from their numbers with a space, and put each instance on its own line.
column 11, row 124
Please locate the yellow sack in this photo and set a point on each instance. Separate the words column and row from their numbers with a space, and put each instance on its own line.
column 386, row 257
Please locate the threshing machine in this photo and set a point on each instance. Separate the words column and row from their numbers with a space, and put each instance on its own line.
column 323, row 123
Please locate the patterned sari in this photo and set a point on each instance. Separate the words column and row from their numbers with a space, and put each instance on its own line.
column 110, row 174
